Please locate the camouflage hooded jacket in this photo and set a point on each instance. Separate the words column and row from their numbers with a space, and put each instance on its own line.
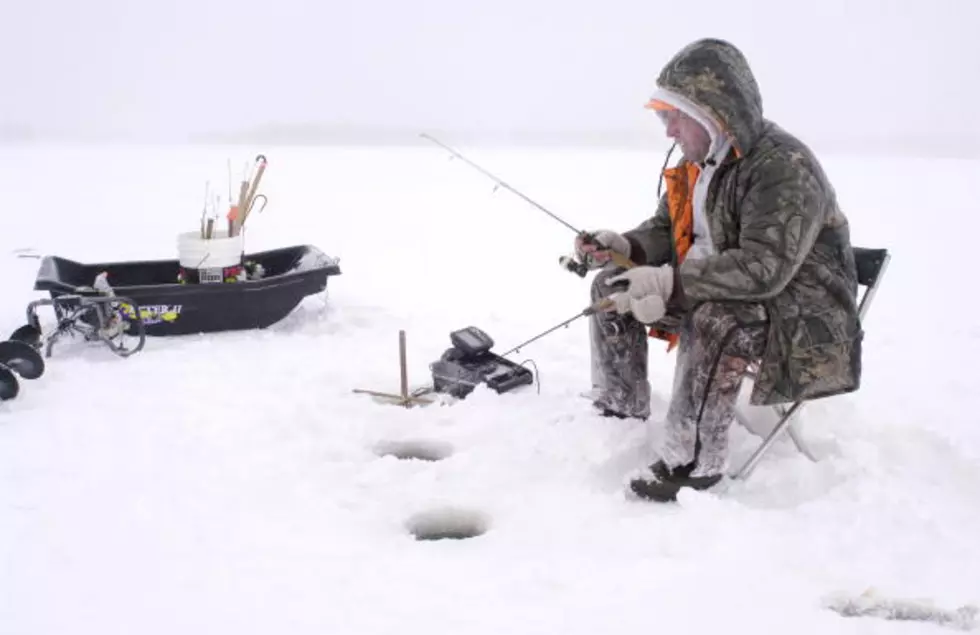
column 779, row 237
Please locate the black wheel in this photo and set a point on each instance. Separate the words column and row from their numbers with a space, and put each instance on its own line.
column 21, row 358
column 9, row 386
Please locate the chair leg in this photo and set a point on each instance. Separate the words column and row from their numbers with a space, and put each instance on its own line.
column 781, row 427
column 801, row 444
column 795, row 436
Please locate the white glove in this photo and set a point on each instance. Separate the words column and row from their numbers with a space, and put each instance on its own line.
column 646, row 310
column 647, row 280
column 610, row 241
column 648, row 292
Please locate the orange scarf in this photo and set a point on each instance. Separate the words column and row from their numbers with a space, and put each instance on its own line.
column 680, row 204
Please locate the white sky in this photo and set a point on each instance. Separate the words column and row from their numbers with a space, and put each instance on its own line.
column 903, row 69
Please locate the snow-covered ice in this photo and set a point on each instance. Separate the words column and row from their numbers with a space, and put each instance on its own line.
column 235, row 483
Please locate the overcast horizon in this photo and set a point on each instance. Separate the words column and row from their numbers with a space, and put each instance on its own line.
column 839, row 73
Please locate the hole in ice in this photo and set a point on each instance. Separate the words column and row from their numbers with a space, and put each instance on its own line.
column 448, row 523
column 420, row 450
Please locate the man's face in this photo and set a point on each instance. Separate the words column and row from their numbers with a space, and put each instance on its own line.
column 688, row 133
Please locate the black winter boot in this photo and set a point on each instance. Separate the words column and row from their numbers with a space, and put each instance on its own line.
column 606, row 411
column 662, row 484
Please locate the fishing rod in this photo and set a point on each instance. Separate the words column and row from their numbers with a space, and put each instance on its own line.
column 601, row 305
column 501, row 183
column 567, row 262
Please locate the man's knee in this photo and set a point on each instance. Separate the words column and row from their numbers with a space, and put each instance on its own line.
column 708, row 317
column 716, row 319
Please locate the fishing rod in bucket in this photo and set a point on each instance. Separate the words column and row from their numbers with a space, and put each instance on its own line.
column 569, row 263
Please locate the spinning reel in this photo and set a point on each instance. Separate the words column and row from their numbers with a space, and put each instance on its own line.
column 582, row 267
column 569, row 263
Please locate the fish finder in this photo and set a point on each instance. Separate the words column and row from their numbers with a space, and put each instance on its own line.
column 470, row 362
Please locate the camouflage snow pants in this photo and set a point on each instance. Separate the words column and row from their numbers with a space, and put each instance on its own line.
column 718, row 341
column 619, row 355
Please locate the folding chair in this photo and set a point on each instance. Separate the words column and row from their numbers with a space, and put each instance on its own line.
column 871, row 266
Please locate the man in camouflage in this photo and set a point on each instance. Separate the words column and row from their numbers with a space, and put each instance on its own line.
column 747, row 260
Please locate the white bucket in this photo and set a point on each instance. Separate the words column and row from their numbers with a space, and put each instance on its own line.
column 211, row 255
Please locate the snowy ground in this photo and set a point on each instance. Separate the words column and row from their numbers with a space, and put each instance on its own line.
column 234, row 483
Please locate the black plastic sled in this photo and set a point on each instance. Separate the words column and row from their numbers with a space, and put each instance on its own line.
column 275, row 284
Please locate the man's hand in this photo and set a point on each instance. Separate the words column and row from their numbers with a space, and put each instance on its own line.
column 648, row 292
column 608, row 241
column 646, row 310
